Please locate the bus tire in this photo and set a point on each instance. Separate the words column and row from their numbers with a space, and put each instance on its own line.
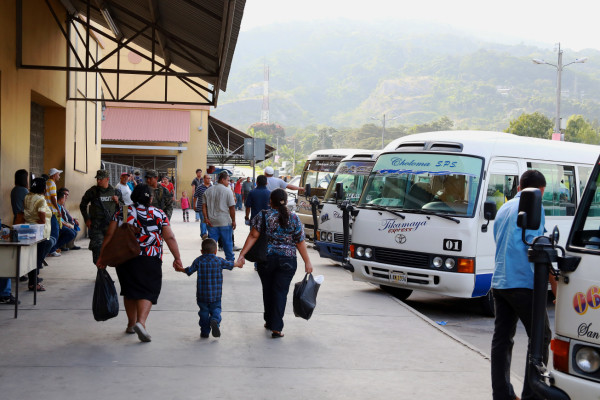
column 399, row 293
column 488, row 307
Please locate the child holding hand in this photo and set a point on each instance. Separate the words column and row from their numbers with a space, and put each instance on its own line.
column 209, row 286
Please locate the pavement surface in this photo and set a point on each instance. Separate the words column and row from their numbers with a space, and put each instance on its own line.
column 360, row 342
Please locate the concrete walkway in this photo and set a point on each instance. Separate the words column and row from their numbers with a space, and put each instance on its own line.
column 360, row 343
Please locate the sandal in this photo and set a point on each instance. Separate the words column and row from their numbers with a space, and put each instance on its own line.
column 40, row 288
column 276, row 334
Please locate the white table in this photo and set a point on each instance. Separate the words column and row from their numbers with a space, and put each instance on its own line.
column 17, row 259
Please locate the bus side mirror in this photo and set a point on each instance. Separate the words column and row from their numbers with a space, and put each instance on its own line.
column 530, row 209
column 489, row 213
column 339, row 191
column 489, row 210
column 307, row 190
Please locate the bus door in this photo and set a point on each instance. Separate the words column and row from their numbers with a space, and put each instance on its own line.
column 502, row 183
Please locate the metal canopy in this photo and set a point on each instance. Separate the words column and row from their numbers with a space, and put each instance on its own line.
column 226, row 144
column 188, row 44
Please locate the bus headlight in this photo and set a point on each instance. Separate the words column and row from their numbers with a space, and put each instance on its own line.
column 450, row 263
column 588, row 360
column 323, row 236
column 437, row 262
column 368, row 252
column 329, row 237
column 360, row 251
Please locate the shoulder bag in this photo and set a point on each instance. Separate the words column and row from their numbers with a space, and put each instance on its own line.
column 258, row 252
column 123, row 246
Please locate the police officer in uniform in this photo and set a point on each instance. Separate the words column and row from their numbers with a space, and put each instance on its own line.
column 103, row 201
column 161, row 198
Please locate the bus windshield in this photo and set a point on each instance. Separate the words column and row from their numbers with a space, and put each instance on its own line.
column 353, row 175
column 440, row 183
column 318, row 174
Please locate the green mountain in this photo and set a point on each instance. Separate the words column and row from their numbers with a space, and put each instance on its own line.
column 342, row 73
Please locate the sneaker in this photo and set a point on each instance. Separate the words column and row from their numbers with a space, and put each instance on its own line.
column 129, row 330
column 204, row 335
column 23, row 278
column 10, row 299
column 75, row 248
column 142, row 333
column 235, row 248
column 214, row 326
column 204, row 236
column 55, row 254
column 64, row 249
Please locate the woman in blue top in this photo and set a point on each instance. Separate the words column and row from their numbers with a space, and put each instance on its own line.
column 284, row 235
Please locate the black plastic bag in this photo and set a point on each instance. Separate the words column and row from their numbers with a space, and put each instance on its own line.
column 305, row 297
column 105, row 304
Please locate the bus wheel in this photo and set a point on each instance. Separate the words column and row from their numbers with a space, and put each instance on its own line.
column 487, row 305
column 399, row 293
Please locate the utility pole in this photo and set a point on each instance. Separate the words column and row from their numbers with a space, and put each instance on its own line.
column 383, row 123
column 559, row 69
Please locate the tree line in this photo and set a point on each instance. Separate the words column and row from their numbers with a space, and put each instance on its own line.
column 297, row 143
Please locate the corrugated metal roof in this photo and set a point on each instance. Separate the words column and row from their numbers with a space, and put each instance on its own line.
column 133, row 124
column 199, row 35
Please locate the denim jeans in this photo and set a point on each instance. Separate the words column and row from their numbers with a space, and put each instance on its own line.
column 512, row 305
column 198, row 215
column 203, row 230
column 207, row 312
column 238, row 201
column 225, row 234
column 5, row 287
column 43, row 249
column 276, row 275
column 65, row 235
column 55, row 230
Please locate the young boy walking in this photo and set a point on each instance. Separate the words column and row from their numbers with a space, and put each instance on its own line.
column 210, row 286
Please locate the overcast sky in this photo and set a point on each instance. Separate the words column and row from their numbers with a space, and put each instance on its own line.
column 573, row 23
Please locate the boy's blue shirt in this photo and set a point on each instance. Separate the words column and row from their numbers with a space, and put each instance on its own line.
column 210, row 276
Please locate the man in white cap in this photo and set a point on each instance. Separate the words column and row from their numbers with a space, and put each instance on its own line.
column 50, row 195
column 276, row 183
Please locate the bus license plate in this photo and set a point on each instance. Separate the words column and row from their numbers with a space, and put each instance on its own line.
column 399, row 277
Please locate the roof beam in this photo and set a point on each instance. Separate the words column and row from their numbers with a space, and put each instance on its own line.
column 227, row 25
column 162, row 40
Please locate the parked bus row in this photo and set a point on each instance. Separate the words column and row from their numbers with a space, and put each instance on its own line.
column 422, row 219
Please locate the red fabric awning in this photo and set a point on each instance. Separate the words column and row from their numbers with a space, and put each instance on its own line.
column 146, row 125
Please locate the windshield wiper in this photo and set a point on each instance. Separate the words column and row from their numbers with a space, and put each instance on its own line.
column 427, row 212
column 380, row 208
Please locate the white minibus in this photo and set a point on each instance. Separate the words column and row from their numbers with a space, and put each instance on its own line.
column 318, row 171
column 425, row 216
column 352, row 173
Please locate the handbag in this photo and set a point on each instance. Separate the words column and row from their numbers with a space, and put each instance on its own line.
column 123, row 246
column 258, row 251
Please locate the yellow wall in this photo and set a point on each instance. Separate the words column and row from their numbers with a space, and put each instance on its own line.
column 43, row 43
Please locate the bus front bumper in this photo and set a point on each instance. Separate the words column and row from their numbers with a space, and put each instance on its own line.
column 330, row 250
column 440, row 282
column 575, row 387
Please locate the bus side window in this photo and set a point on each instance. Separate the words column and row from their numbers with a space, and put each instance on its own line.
column 501, row 188
column 559, row 196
